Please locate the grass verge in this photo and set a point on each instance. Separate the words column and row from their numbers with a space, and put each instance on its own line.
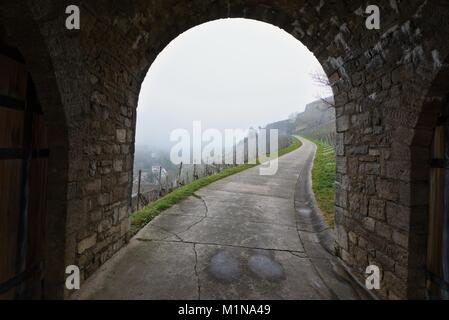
column 142, row 217
column 323, row 180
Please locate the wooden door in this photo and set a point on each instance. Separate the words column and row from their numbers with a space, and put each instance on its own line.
column 438, row 241
column 23, row 179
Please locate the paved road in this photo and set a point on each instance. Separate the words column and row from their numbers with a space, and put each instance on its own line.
column 242, row 237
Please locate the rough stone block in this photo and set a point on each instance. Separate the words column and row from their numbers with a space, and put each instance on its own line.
column 123, row 212
column 385, row 261
column 342, row 237
column 383, row 230
column 93, row 186
column 398, row 216
column 357, row 150
column 341, row 164
column 341, row 196
column 118, row 165
column 343, row 123
column 340, row 148
column 124, row 227
column 121, row 135
column 352, row 237
column 104, row 225
column 377, row 209
column 87, row 243
column 387, row 190
column 400, row 239
column 347, row 257
column 369, row 224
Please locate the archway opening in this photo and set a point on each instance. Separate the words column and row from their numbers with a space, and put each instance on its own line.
column 230, row 74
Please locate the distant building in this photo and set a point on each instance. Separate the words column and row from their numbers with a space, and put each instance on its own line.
column 156, row 169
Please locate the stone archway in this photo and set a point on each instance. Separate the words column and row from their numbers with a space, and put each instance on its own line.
column 380, row 80
column 150, row 31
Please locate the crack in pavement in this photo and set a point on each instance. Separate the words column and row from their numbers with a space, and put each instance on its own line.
column 222, row 245
column 177, row 235
column 167, row 231
column 196, row 272
column 201, row 220
column 256, row 194
column 302, row 256
column 192, row 225
column 204, row 202
column 266, row 221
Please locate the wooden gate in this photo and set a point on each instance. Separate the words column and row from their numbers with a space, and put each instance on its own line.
column 438, row 240
column 23, row 181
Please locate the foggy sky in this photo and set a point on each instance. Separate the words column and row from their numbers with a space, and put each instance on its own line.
column 228, row 73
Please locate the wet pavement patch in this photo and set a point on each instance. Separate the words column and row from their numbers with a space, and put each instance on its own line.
column 265, row 267
column 224, row 267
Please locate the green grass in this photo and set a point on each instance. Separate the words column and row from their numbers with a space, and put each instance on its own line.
column 142, row 217
column 323, row 180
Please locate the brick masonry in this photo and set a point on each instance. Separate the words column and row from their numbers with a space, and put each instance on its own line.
column 388, row 87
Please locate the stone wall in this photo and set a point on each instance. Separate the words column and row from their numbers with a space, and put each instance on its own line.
column 383, row 151
column 387, row 91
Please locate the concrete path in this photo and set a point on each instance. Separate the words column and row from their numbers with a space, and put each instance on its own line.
column 242, row 237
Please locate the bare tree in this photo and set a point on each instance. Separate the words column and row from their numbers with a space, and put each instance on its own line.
column 320, row 78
